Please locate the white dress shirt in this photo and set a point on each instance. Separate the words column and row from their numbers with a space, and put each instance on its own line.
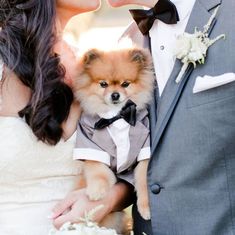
column 163, row 38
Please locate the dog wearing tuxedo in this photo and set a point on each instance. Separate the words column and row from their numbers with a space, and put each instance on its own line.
column 114, row 90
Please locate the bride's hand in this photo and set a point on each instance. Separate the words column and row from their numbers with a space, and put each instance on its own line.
column 74, row 206
column 77, row 203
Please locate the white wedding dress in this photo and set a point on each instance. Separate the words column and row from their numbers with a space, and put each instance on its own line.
column 33, row 177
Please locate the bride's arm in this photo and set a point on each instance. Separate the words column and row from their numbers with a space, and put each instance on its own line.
column 70, row 125
column 77, row 203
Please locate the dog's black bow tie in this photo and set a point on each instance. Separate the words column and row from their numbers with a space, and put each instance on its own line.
column 164, row 10
column 128, row 113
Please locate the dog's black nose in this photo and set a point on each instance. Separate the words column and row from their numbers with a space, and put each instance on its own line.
column 115, row 96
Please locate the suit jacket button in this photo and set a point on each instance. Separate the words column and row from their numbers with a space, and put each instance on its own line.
column 155, row 188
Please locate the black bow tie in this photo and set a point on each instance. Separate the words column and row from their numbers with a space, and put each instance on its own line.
column 128, row 113
column 164, row 10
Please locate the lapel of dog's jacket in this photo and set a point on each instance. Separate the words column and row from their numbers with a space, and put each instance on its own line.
column 103, row 139
column 137, row 135
column 172, row 92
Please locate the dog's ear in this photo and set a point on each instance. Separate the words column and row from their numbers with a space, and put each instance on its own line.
column 140, row 56
column 91, row 56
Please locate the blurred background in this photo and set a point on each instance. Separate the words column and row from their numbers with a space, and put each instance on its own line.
column 98, row 29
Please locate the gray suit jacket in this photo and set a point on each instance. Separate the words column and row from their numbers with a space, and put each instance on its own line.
column 191, row 175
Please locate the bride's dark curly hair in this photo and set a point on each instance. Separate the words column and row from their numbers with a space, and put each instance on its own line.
column 27, row 37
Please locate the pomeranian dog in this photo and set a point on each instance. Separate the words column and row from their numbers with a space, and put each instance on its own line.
column 114, row 89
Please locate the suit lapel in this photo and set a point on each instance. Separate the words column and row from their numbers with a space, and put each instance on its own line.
column 153, row 104
column 103, row 139
column 153, row 112
column 172, row 92
column 138, row 135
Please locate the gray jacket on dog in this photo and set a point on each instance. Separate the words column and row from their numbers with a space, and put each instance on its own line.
column 191, row 175
column 97, row 145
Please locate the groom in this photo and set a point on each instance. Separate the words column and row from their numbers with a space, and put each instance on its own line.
column 191, row 174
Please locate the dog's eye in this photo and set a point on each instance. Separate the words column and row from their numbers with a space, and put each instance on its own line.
column 125, row 84
column 103, row 84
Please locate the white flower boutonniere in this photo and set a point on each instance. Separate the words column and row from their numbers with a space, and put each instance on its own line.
column 192, row 48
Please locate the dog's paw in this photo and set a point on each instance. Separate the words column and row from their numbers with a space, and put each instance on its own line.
column 97, row 190
column 144, row 209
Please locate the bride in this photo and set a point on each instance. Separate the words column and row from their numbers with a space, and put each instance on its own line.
column 38, row 119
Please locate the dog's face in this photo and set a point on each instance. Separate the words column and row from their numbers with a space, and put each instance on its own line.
column 109, row 79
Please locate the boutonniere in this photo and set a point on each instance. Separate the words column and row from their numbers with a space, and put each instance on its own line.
column 192, row 48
